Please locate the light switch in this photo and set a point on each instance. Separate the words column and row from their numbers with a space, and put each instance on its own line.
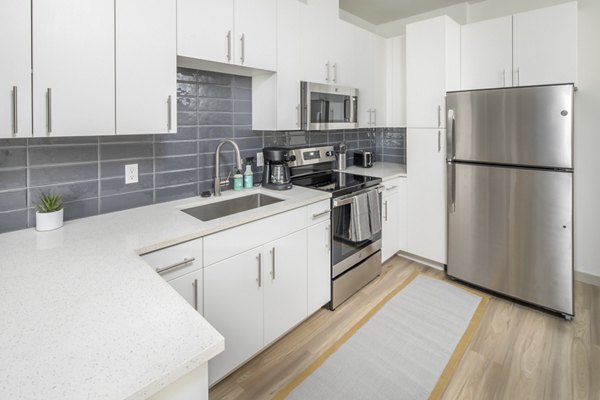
column 131, row 173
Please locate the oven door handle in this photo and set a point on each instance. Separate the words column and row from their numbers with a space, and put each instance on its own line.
column 347, row 200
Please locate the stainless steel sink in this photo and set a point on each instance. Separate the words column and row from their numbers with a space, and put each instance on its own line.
column 228, row 207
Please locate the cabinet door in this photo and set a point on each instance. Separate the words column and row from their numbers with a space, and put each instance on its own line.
column 486, row 54
column 390, row 234
column 15, row 69
column 403, row 215
column 426, row 179
column 285, row 284
column 190, row 287
column 146, row 66
column 315, row 47
column 74, row 64
column 545, row 45
column 426, row 73
column 233, row 304
column 255, row 26
column 319, row 265
column 205, row 29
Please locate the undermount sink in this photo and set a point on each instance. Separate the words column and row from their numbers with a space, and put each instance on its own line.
column 232, row 206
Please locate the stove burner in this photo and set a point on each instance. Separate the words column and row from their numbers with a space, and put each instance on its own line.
column 337, row 183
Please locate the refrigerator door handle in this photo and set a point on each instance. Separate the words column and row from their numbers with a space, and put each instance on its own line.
column 450, row 135
column 451, row 187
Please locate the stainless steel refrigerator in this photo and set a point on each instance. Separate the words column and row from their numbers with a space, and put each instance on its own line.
column 510, row 192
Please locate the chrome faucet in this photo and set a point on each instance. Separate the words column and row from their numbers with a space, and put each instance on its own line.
column 238, row 160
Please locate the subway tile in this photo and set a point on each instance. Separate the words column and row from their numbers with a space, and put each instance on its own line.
column 109, row 169
column 176, row 178
column 242, row 81
column 187, row 118
column 336, row 137
column 187, row 89
column 126, row 138
column 242, row 93
column 49, row 141
column 207, row 174
column 187, row 104
column 318, row 138
column 214, row 118
column 186, row 74
column 13, row 179
column 13, row 200
column 69, row 192
column 245, row 131
column 62, row 154
column 113, row 186
column 126, row 201
column 351, row 134
column 215, row 78
column 13, row 220
column 175, row 148
column 208, row 104
column 125, row 150
column 13, row 142
column 394, row 159
column 183, row 133
column 176, row 163
column 39, row 176
column 13, row 157
column 242, row 118
column 226, row 159
column 249, row 143
column 220, row 92
column 176, row 192
column 215, row 132
column 205, row 186
column 81, row 209
column 208, row 146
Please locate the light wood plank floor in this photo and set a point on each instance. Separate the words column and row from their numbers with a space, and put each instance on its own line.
column 517, row 352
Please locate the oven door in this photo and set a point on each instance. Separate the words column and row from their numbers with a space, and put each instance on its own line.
column 328, row 107
column 346, row 253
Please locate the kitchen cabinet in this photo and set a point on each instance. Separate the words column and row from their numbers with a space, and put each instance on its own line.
column 319, row 265
column 190, row 287
column 227, row 31
column 146, row 66
column 233, row 305
column 545, row 45
column 392, row 223
column 403, row 215
column 285, row 301
column 432, row 68
column 73, row 67
column 486, row 54
column 426, row 194
column 15, row 70
column 318, row 46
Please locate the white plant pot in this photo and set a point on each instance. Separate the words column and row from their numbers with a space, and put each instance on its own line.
column 48, row 221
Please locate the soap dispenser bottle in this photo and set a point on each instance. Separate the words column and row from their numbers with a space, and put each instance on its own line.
column 238, row 183
column 248, row 174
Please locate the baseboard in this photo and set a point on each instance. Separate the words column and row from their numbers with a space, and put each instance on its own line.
column 429, row 263
column 587, row 278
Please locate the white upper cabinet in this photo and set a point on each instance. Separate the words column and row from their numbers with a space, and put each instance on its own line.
column 432, row 68
column 318, row 62
column 240, row 32
column 15, row 69
column 74, row 67
column 146, row 66
column 545, row 45
column 486, row 54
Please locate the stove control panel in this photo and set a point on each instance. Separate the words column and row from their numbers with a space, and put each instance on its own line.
column 311, row 155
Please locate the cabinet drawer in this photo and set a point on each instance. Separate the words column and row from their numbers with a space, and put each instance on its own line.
column 231, row 242
column 172, row 260
column 392, row 186
column 318, row 212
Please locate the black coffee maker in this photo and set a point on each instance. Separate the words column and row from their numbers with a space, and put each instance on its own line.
column 276, row 172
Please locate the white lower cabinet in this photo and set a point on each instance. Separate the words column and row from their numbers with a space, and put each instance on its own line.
column 394, row 229
column 190, row 287
column 233, row 304
column 319, row 265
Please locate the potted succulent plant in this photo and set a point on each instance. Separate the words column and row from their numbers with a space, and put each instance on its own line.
column 49, row 214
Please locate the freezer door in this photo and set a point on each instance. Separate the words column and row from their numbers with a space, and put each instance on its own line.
column 511, row 230
column 529, row 126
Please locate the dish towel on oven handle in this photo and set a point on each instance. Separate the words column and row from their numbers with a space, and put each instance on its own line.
column 360, row 228
column 374, row 211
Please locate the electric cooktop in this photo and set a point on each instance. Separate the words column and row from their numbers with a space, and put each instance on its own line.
column 337, row 183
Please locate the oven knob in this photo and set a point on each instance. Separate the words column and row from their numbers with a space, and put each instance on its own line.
column 292, row 158
column 328, row 154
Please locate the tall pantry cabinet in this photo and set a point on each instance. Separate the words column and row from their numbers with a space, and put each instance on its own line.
column 433, row 68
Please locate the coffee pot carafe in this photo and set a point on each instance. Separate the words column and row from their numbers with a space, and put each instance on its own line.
column 276, row 172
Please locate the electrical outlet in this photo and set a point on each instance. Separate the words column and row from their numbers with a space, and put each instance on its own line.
column 260, row 161
column 131, row 173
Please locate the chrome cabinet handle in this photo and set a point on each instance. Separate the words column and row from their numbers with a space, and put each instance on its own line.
column 298, row 115
column 391, row 187
column 504, row 77
column 228, row 40
column 195, row 286
column 49, row 110
column 317, row 215
column 273, row 263
column 374, row 116
column 243, row 45
column 439, row 141
column 385, row 206
column 450, row 133
column 169, row 115
column 370, row 111
column 259, row 279
column 327, row 237
column 334, row 72
column 439, row 116
column 327, row 67
column 15, row 111
column 176, row 265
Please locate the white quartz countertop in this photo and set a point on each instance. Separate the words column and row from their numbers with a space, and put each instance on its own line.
column 383, row 170
column 84, row 317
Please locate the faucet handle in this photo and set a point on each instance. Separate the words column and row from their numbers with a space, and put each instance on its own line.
column 226, row 180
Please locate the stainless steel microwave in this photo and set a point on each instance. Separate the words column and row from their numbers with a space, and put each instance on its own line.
column 328, row 107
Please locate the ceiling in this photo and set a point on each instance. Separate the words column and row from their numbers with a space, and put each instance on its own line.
column 382, row 11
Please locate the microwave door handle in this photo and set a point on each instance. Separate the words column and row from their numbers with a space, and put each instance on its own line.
column 346, row 109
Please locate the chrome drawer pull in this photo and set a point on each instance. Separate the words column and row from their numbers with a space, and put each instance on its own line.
column 317, row 215
column 176, row 265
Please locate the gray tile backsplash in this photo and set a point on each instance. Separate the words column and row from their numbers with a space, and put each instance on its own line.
column 89, row 172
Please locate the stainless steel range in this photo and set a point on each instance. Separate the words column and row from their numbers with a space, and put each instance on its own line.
column 355, row 218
